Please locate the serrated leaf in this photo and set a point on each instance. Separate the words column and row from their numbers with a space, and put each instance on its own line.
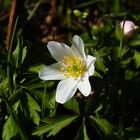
column 72, row 105
column 49, row 100
column 33, row 108
column 52, row 126
column 103, row 127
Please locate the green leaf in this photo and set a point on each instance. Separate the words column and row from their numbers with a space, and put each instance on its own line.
column 72, row 105
column 103, row 127
column 135, row 42
column 49, row 100
column 33, row 108
column 15, row 54
column 137, row 58
column 4, row 85
column 82, row 133
column 137, row 139
column 9, row 129
column 99, row 62
column 16, row 121
column 116, row 6
column 36, row 68
column 53, row 125
column 24, row 53
column 2, row 73
column 19, row 53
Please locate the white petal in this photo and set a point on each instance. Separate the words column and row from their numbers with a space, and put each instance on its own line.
column 51, row 72
column 66, row 90
column 90, row 64
column 78, row 47
column 58, row 50
column 84, row 86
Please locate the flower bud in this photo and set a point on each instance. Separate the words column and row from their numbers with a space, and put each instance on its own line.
column 128, row 28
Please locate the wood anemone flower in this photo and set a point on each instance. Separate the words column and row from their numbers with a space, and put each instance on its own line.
column 128, row 28
column 73, row 68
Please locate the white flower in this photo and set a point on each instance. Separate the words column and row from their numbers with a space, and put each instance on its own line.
column 73, row 68
column 128, row 27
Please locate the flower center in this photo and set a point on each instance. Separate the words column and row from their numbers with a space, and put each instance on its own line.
column 74, row 67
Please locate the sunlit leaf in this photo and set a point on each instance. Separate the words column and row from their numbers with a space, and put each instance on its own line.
column 52, row 126
column 33, row 108
column 10, row 129
column 15, row 119
column 48, row 101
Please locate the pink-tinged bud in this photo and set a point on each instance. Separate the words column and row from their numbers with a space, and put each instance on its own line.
column 128, row 27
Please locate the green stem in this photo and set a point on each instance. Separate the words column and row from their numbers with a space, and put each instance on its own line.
column 116, row 70
column 34, row 10
column 69, row 22
column 121, row 41
column 10, row 80
column 43, row 100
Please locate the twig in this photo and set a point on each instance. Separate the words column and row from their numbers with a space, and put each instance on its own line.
column 9, row 29
column 53, row 8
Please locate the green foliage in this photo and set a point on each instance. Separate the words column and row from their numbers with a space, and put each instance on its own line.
column 19, row 54
column 52, row 126
column 4, row 85
column 33, row 108
column 8, row 131
column 137, row 58
column 16, row 122
column 99, row 63
column 104, row 128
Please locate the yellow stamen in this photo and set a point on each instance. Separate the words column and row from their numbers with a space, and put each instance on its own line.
column 74, row 67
